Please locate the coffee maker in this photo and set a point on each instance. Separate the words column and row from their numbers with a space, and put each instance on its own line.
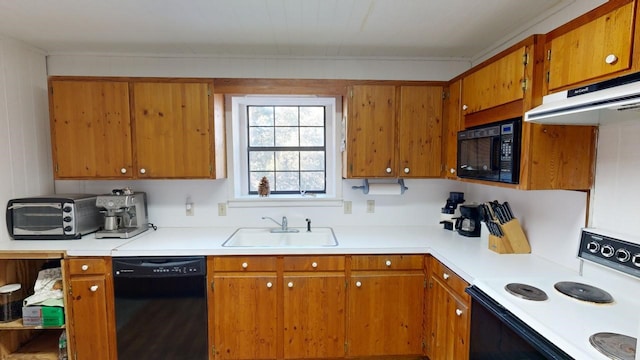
column 468, row 224
column 125, row 214
column 450, row 211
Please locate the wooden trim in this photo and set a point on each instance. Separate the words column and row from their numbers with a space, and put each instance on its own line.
column 35, row 254
column 498, row 113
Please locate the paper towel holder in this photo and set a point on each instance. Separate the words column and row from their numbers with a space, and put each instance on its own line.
column 365, row 186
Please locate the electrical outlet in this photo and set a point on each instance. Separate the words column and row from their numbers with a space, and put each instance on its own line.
column 189, row 208
column 347, row 207
column 371, row 206
column 222, row 209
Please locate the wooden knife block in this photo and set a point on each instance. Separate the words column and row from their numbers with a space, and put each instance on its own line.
column 513, row 240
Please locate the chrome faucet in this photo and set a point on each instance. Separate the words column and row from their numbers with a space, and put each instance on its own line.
column 284, row 226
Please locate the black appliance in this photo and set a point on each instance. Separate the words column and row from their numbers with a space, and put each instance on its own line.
column 448, row 212
column 161, row 308
column 468, row 224
column 491, row 152
column 498, row 334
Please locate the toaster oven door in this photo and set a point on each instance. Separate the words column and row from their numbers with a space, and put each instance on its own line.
column 36, row 219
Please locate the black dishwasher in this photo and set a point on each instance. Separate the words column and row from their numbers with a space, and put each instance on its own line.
column 161, row 308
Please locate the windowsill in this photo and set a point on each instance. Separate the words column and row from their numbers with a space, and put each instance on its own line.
column 284, row 200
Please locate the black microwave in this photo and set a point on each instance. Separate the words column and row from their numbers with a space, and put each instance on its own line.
column 491, row 152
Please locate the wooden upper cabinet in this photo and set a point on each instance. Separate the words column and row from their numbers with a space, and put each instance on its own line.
column 371, row 131
column 452, row 124
column 90, row 129
column 592, row 46
column 420, row 131
column 173, row 129
column 393, row 131
column 498, row 82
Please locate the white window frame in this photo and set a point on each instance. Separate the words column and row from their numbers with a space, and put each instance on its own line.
column 237, row 154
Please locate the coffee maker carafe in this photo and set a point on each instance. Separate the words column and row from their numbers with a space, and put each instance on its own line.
column 468, row 224
column 125, row 214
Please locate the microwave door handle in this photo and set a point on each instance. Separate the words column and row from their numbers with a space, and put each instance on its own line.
column 20, row 206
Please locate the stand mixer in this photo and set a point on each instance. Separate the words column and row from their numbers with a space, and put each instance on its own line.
column 125, row 214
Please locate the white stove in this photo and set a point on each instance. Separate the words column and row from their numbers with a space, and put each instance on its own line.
column 568, row 322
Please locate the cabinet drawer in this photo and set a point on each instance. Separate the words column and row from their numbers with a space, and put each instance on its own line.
column 244, row 263
column 313, row 263
column 392, row 262
column 450, row 278
column 87, row 266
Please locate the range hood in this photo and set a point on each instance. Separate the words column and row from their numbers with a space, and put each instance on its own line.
column 619, row 98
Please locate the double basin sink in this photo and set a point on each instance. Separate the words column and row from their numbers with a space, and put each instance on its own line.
column 293, row 237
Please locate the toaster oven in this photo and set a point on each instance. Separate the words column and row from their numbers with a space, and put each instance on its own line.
column 53, row 217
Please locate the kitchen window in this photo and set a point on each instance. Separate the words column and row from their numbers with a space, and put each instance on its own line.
column 290, row 140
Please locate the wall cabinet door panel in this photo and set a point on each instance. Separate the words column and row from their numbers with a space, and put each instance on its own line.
column 90, row 129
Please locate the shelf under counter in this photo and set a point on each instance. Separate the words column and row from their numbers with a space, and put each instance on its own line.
column 42, row 347
column 17, row 325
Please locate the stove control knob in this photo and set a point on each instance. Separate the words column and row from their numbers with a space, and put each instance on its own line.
column 593, row 247
column 623, row 255
column 636, row 260
column 607, row 251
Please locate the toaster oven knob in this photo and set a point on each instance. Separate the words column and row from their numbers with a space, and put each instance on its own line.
column 623, row 255
column 67, row 228
column 607, row 251
column 67, row 219
column 67, row 209
column 593, row 247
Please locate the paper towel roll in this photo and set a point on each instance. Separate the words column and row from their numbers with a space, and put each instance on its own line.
column 385, row 189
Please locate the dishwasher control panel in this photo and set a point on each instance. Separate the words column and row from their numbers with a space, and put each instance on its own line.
column 159, row 266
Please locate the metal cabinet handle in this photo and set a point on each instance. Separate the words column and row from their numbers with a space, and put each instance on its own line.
column 388, row 263
column 93, row 288
column 245, row 265
column 269, row 285
column 314, row 264
column 84, row 267
column 123, row 170
column 445, row 276
column 290, row 284
column 458, row 312
column 358, row 284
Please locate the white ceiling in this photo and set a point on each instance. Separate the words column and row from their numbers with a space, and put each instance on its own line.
column 289, row 28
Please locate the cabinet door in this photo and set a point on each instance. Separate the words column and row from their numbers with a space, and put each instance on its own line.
column 173, row 130
column 497, row 83
column 420, row 131
column 385, row 313
column 91, row 335
column 371, row 131
column 314, row 315
column 448, row 324
column 90, row 129
column 600, row 47
column 452, row 124
column 244, row 316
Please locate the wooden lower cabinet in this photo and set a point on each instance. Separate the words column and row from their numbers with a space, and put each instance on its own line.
column 386, row 306
column 91, row 328
column 448, row 315
column 243, row 307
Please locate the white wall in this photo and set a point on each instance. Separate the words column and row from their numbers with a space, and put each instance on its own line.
column 25, row 150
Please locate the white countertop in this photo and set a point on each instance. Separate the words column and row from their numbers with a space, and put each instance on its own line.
column 468, row 257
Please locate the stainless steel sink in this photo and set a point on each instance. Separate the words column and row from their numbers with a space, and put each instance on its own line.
column 264, row 237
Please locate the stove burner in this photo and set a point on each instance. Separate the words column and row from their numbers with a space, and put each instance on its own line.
column 526, row 292
column 584, row 292
column 614, row 346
